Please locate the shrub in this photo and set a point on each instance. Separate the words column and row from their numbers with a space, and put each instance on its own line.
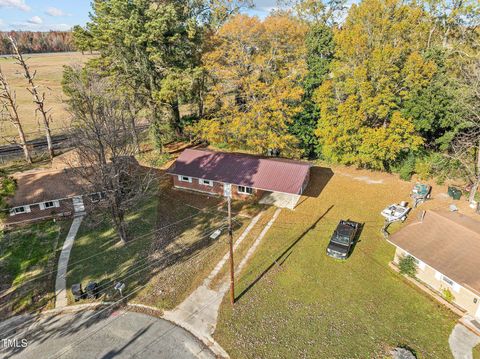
column 407, row 168
column 423, row 168
column 408, row 266
column 447, row 295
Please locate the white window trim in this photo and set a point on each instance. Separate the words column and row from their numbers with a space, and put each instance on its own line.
column 101, row 197
column 242, row 192
column 182, row 179
column 26, row 209
column 454, row 285
column 43, row 206
column 205, row 182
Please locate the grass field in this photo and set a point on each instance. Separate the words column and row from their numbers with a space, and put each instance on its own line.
column 49, row 69
column 27, row 253
column 295, row 302
column 169, row 263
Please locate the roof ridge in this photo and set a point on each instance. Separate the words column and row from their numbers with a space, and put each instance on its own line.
column 279, row 159
column 440, row 214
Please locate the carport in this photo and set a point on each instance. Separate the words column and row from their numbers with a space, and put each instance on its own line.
column 281, row 200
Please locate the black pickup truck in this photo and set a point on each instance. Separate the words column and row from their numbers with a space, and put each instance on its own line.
column 342, row 239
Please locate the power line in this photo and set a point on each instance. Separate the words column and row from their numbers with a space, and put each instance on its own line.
column 104, row 291
column 70, row 347
column 101, row 252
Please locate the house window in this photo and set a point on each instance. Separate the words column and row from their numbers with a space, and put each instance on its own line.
column 20, row 210
column 205, row 182
column 97, row 197
column 245, row 190
column 451, row 283
column 185, row 179
column 48, row 205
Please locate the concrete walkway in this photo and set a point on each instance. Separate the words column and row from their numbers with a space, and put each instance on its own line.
column 61, row 281
column 462, row 341
column 199, row 312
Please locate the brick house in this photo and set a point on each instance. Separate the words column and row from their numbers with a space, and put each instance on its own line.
column 250, row 176
column 46, row 194
column 445, row 246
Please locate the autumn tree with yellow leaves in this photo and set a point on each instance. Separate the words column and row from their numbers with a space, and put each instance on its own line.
column 379, row 61
column 256, row 69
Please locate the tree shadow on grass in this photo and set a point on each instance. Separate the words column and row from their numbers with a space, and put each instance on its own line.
column 280, row 260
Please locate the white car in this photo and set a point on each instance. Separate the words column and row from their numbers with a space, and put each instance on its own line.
column 396, row 212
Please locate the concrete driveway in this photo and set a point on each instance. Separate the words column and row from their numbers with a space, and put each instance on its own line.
column 116, row 334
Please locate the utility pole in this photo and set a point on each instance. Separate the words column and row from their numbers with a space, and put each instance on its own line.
column 228, row 194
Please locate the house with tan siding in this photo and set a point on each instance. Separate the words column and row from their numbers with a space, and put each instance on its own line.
column 446, row 248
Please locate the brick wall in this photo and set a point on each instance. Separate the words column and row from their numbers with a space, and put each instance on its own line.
column 64, row 211
column 216, row 189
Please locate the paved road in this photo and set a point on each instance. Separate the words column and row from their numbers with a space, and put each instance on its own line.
column 117, row 334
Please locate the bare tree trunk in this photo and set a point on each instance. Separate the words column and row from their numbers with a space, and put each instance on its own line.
column 38, row 99
column 175, row 118
column 11, row 104
column 119, row 220
column 133, row 124
column 475, row 186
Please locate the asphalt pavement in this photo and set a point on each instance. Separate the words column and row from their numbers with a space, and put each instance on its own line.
column 116, row 334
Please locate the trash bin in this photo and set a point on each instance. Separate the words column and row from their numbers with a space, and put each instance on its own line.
column 92, row 290
column 454, row 192
column 77, row 292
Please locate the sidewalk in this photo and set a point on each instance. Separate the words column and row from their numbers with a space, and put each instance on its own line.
column 61, row 281
column 199, row 312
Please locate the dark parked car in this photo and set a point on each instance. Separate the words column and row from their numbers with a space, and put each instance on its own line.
column 343, row 239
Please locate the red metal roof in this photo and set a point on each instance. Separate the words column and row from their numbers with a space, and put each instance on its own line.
column 270, row 174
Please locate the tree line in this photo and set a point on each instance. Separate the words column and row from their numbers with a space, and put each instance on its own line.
column 384, row 84
column 32, row 42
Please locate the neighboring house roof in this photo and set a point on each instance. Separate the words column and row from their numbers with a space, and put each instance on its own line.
column 45, row 185
column 446, row 241
column 270, row 174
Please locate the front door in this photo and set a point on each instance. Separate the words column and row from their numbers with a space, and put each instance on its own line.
column 78, row 205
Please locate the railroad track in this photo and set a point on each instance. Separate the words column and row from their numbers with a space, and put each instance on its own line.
column 59, row 142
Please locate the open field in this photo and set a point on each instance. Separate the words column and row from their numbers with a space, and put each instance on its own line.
column 28, row 258
column 49, row 69
column 294, row 301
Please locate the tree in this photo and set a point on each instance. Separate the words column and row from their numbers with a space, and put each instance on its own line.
column 256, row 70
column 8, row 187
column 408, row 266
column 10, row 108
column 101, row 134
column 435, row 108
column 82, row 39
column 320, row 49
column 154, row 48
column 38, row 99
column 466, row 145
column 378, row 61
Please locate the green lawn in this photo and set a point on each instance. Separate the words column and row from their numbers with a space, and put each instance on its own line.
column 476, row 352
column 26, row 253
column 170, row 263
column 294, row 301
